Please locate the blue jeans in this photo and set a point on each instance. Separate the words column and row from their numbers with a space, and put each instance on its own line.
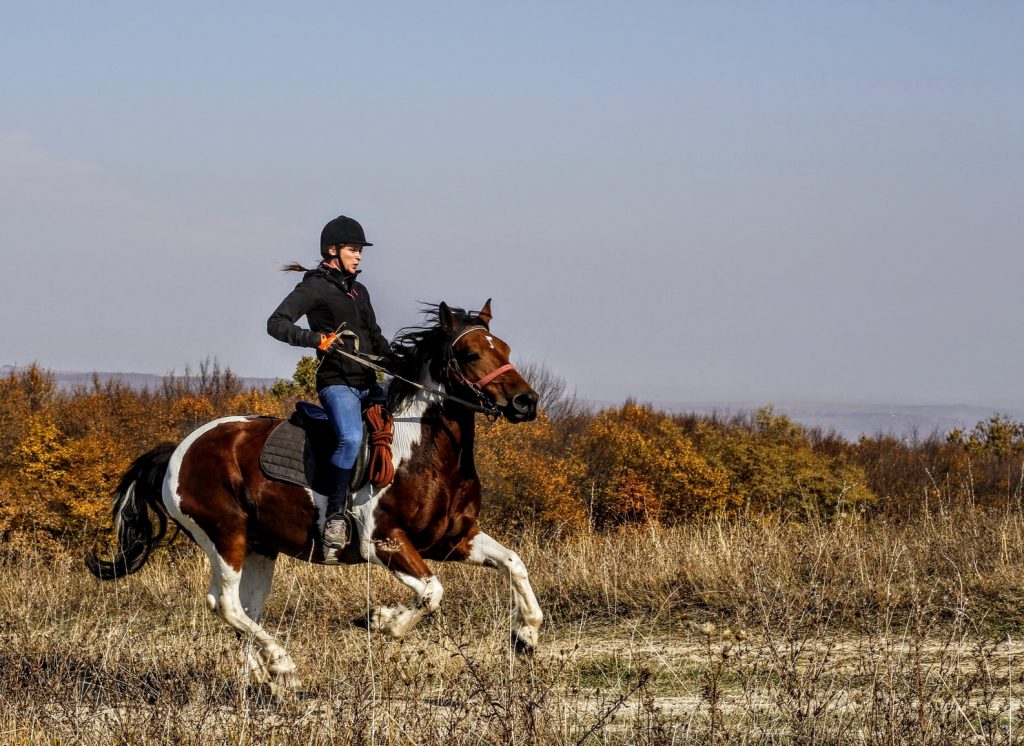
column 344, row 408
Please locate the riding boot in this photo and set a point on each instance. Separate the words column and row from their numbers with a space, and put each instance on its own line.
column 336, row 526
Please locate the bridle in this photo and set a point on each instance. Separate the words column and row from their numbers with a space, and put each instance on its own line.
column 456, row 374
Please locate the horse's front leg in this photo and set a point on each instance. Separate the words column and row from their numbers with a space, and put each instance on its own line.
column 486, row 551
column 397, row 553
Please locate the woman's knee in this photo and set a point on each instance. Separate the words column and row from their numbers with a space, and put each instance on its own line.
column 344, row 456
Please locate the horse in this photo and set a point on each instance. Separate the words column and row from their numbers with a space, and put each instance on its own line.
column 211, row 485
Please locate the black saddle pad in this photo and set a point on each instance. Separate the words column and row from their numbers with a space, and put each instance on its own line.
column 299, row 450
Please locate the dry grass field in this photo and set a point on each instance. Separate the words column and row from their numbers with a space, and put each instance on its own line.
column 753, row 631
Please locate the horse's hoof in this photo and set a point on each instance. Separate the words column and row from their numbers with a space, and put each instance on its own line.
column 387, row 620
column 286, row 687
column 523, row 647
column 377, row 619
column 363, row 622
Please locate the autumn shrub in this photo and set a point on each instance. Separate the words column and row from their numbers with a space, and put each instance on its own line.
column 992, row 460
column 981, row 466
column 641, row 467
column 528, row 478
column 189, row 412
column 133, row 418
column 773, row 467
column 998, row 436
column 906, row 477
column 64, row 451
column 60, row 482
column 23, row 395
column 256, row 402
column 302, row 386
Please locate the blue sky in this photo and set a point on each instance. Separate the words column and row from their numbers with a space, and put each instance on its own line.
column 672, row 201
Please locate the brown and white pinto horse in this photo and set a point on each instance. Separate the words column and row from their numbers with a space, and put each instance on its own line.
column 212, row 486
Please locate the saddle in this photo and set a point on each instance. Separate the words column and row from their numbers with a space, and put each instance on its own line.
column 299, row 449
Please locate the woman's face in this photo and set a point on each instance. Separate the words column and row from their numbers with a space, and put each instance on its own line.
column 350, row 255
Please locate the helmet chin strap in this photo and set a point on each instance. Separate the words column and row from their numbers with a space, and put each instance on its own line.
column 335, row 259
column 332, row 260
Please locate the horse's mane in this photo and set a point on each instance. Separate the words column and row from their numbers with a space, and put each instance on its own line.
column 416, row 346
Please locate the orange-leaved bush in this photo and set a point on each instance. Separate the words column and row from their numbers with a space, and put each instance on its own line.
column 189, row 412
column 640, row 467
column 527, row 478
column 254, row 401
column 773, row 467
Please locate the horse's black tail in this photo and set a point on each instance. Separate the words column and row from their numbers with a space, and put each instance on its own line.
column 141, row 486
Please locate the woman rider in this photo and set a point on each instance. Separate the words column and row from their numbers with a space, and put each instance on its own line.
column 333, row 301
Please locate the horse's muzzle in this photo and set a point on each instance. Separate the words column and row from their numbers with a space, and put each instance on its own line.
column 524, row 407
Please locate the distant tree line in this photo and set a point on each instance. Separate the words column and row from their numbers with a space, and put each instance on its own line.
column 573, row 469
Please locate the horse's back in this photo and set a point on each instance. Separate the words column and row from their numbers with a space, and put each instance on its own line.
column 220, row 486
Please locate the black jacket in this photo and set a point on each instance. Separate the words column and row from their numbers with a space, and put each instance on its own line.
column 327, row 298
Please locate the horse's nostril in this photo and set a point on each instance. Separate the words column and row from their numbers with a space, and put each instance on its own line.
column 525, row 403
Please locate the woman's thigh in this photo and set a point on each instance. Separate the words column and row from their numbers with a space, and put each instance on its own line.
column 343, row 405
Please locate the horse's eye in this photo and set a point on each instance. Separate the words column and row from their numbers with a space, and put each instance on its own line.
column 469, row 357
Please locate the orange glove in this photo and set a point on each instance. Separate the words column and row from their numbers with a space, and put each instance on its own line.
column 326, row 340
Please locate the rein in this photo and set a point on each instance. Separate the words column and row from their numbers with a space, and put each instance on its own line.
column 485, row 407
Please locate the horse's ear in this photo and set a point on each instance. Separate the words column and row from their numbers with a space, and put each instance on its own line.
column 485, row 313
column 444, row 315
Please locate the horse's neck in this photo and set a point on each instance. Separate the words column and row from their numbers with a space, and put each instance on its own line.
column 437, row 420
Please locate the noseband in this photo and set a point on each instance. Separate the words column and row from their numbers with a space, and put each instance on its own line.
column 456, row 373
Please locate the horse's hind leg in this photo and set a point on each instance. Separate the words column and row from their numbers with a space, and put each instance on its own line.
column 257, row 577
column 486, row 551
column 397, row 554
column 226, row 599
column 195, row 496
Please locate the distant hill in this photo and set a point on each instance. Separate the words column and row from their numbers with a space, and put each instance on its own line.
column 69, row 379
column 851, row 421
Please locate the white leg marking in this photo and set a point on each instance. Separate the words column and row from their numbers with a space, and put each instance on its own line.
column 254, row 587
column 486, row 551
column 279, row 665
column 257, row 577
column 396, row 621
column 213, row 591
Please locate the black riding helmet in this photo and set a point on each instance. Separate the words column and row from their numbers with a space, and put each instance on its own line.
column 340, row 231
